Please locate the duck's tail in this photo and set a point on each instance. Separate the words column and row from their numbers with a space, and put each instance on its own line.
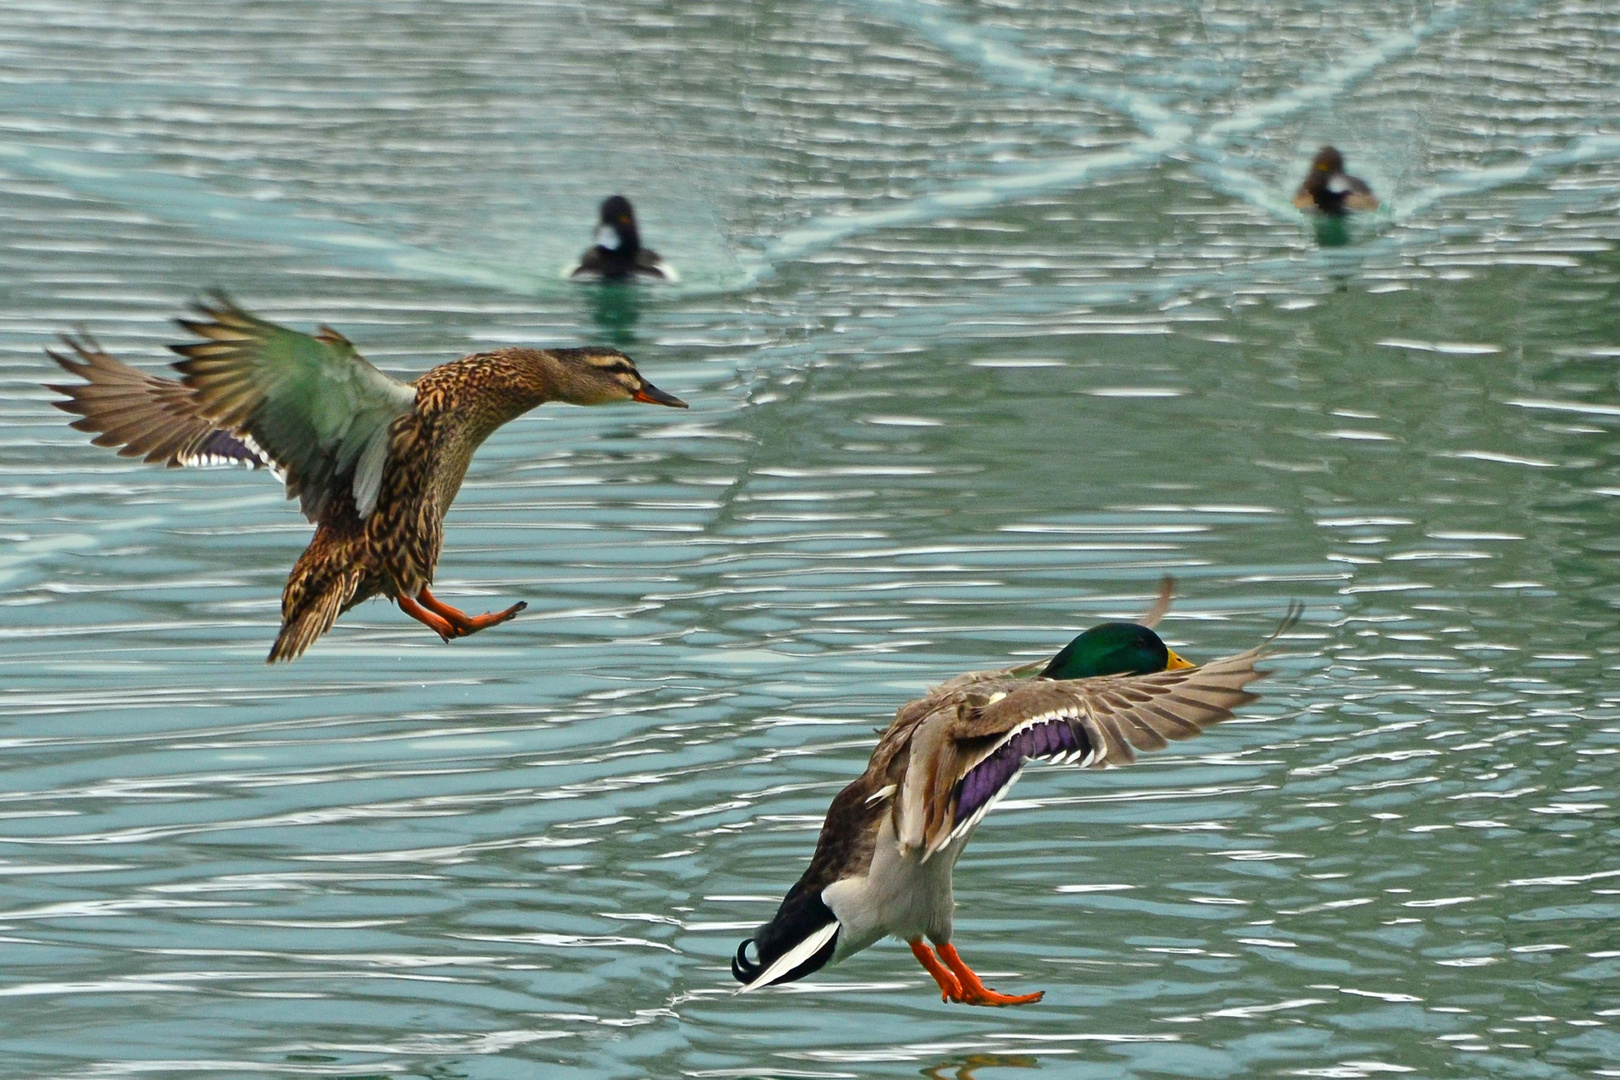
column 315, row 596
column 800, row 939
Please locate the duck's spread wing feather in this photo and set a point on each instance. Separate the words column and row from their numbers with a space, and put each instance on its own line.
column 967, row 753
column 315, row 407
column 975, row 678
column 589, row 263
column 143, row 415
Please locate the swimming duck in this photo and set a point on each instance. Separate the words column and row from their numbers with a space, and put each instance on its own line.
column 883, row 862
column 374, row 462
column 617, row 253
column 1329, row 189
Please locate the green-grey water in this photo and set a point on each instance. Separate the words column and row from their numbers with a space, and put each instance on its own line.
column 989, row 316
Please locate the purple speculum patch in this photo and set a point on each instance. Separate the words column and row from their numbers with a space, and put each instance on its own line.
column 1049, row 739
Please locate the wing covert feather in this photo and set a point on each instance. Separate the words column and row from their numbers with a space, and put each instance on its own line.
column 1104, row 721
column 312, row 403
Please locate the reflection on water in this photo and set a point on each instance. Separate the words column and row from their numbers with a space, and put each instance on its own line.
column 1330, row 231
column 989, row 318
column 968, row 1066
column 615, row 306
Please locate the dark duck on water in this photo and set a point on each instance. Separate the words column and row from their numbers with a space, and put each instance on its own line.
column 617, row 253
column 883, row 863
column 374, row 462
column 1329, row 189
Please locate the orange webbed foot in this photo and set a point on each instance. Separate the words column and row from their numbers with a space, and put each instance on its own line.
column 974, row 992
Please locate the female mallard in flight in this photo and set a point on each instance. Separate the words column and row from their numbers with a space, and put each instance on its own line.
column 617, row 253
column 1329, row 189
column 374, row 462
column 883, row 862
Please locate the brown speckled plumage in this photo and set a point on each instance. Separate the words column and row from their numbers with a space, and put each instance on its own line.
column 342, row 434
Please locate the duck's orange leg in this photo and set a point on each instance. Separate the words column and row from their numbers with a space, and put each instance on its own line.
column 975, row 992
column 949, row 988
column 460, row 623
column 426, row 617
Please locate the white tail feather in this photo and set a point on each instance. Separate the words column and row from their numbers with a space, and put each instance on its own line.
column 795, row 956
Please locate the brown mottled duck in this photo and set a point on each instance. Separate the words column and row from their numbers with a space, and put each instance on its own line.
column 374, row 462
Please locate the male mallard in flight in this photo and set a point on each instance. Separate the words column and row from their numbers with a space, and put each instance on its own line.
column 1329, row 189
column 374, row 462
column 617, row 253
column 891, row 839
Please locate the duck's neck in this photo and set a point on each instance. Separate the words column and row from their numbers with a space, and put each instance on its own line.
column 526, row 378
column 473, row 396
column 462, row 403
column 629, row 245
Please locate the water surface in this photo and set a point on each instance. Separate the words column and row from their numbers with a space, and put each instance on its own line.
column 989, row 318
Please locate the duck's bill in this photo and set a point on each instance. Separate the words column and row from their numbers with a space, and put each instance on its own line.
column 1176, row 662
column 654, row 396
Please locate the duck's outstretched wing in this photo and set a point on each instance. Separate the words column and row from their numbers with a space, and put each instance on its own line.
column 967, row 754
column 312, row 404
column 143, row 415
column 1161, row 602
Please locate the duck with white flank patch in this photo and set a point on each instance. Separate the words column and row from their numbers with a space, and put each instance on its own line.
column 1329, row 189
column 617, row 254
column 883, row 863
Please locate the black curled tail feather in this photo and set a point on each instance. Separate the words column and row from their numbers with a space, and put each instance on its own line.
column 801, row 916
column 743, row 969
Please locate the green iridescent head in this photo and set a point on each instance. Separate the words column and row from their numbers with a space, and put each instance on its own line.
column 1116, row 648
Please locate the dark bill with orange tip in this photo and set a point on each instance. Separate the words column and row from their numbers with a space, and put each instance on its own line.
column 654, row 396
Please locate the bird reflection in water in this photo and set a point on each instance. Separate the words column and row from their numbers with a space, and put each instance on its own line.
column 615, row 307
column 964, row 1066
column 1331, row 231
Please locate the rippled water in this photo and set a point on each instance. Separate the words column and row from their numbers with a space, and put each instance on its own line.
column 990, row 317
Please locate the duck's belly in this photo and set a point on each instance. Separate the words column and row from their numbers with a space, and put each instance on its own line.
column 403, row 538
column 900, row 894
